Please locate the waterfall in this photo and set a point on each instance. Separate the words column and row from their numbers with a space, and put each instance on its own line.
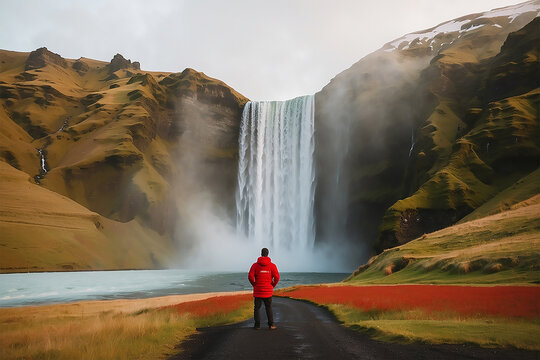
column 43, row 165
column 276, row 175
column 413, row 142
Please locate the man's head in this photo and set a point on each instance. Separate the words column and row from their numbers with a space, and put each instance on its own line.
column 264, row 252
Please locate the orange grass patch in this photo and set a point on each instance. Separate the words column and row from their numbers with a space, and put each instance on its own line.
column 214, row 305
column 503, row 301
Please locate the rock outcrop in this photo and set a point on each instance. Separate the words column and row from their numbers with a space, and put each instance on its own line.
column 80, row 66
column 118, row 62
column 39, row 58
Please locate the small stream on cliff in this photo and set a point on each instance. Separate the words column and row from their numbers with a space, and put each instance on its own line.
column 43, row 165
column 59, row 287
column 42, row 152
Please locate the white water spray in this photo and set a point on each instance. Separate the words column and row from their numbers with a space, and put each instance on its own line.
column 276, row 175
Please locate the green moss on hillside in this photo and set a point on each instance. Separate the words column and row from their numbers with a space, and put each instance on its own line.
column 467, row 154
column 521, row 190
column 502, row 248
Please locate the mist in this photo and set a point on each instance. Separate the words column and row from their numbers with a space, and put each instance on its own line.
column 365, row 117
column 205, row 189
column 210, row 241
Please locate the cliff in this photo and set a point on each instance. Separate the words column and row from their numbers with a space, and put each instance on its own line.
column 435, row 123
column 104, row 142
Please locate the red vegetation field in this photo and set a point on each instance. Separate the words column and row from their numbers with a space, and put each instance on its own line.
column 214, row 305
column 504, row 301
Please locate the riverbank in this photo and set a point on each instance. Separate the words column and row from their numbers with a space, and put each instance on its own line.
column 95, row 307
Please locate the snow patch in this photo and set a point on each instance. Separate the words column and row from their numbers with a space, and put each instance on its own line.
column 514, row 11
column 451, row 26
column 511, row 12
column 471, row 28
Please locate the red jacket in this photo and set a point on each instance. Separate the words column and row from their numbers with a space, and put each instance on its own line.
column 264, row 276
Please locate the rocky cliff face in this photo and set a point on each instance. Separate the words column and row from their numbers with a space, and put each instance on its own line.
column 437, row 123
column 113, row 138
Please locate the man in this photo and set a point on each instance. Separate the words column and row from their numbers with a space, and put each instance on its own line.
column 263, row 276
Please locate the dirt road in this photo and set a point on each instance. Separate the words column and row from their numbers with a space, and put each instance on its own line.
column 306, row 331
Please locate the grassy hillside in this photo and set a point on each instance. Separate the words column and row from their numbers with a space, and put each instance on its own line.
column 106, row 136
column 43, row 231
column 523, row 189
column 500, row 248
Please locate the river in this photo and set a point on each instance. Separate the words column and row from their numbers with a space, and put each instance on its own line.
column 23, row 289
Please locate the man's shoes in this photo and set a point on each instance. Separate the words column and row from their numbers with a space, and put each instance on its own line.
column 256, row 327
column 272, row 327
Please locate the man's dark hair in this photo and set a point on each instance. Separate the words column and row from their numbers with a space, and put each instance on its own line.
column 264, row 252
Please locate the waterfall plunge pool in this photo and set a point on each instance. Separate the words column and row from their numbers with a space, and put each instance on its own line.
column 24, row 289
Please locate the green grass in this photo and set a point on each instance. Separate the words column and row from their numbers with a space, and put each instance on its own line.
column 476, row 171
column 414, row 275
column 499, row 249
column 416, row 326
column 521, row 190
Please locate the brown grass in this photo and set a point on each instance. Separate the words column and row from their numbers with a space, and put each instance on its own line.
column 464, row 267
column 119, row 336
column 117, row 329
column 70, row 236
column 389, row 269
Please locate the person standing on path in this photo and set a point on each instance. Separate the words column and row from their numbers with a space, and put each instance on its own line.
column 264, row 277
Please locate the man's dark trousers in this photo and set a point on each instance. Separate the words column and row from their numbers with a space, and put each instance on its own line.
column 267, row 307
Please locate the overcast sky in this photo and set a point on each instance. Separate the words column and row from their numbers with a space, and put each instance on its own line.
column 266, row 50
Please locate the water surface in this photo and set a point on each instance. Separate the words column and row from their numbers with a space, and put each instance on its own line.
column 58, row 287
